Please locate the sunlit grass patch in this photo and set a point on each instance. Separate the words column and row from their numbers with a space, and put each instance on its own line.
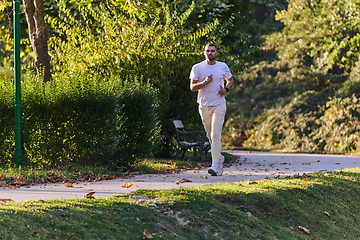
column 314, row 206
column 157, row 166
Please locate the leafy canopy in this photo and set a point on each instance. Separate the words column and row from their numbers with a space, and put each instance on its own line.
column 326, row 32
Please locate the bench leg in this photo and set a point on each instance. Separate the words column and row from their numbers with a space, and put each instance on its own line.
column 177, row 153
column 183, row 153
column 201, row 157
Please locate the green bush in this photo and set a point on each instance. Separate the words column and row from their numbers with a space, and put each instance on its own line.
column 81, row 121
column 7, row 124
column 159, row 48
column 287, row 98
column 276, row 104
column 310, row 123
column 290, row 127
column 140, row 129
column 340, row 125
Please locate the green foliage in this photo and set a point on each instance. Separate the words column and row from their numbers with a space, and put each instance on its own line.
column 159, row 49
column 140, row 128
column 120, row 46
column 81, row 121
column 339, row 127
column 7, row 126
column 324, row 32
column 285, row 101
column 6, row 36
column 283, row 112
column 268, row 88
column 240, row 27
column 290, row 127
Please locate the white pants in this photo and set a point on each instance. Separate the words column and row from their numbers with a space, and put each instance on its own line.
column 213, row 119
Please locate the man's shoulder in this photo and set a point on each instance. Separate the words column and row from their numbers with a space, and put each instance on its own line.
column 200, row 64
column 221, row 63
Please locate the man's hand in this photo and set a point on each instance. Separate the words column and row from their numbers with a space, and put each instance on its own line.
column 222, row 90
column 208, row 79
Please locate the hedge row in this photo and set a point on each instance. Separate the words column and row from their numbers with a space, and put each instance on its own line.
column 80, row 121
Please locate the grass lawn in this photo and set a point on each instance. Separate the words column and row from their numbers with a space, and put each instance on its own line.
column 316, row 206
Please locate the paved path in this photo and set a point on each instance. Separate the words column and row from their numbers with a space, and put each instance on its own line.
column 249, row 166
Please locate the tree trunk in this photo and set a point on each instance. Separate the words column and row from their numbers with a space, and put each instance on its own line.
column 34, row 10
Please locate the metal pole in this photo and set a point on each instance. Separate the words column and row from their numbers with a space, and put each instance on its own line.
column 17, row 74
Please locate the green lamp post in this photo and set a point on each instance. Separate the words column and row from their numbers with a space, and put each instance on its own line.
column 17, row 74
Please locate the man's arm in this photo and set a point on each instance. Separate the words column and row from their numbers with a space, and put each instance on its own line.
column 195, row 85
column 229, row 85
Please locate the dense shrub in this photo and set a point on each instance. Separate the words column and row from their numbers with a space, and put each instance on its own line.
column 81, row 121
column 7, row 124
column 267, row 87
column 331, row 126
column 284, row 102
column 160, row 48
column 339, row 129
column 291, row 126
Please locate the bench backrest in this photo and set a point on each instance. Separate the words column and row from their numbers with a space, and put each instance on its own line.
column 178, row 123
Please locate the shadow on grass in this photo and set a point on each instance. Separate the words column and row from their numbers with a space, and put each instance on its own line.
column 325, row 204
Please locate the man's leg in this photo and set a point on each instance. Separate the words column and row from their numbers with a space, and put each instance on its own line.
column 213, row 119
column 206, row 118
column 217, row 122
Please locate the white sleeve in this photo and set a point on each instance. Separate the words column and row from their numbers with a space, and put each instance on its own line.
column 194, row 74
column 226, row 72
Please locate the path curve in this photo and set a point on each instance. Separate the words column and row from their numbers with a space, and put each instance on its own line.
column 249, row 166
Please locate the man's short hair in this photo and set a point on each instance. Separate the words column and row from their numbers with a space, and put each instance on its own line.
column 211, row 45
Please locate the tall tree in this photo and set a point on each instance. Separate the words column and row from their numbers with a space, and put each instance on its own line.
column 34, row 10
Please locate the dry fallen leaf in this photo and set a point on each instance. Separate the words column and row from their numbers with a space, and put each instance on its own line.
column 185, row 180
column 182, row 181
column 138, row 219
column 69, row 184
column 2, row 175
column 146, row 234
column 4, row 200
column 305, row 229
column 89, row 195
column 344, row 234
column 252, row 182
column 294, row 229
column 183, row 192
column 141, row 201
column 327, row 213
column 127, row 185
column 32, row 230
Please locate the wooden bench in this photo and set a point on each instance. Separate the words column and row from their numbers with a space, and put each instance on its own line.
column 195, row 140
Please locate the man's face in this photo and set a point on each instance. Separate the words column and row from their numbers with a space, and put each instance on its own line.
column 210, row 53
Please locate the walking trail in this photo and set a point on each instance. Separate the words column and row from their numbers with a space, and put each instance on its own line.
column 249, row 166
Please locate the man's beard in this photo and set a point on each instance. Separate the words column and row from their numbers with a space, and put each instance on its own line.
column 212, row 59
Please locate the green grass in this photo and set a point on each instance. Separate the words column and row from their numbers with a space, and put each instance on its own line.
column 327, row 204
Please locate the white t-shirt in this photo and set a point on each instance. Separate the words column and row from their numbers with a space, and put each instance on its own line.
column 209, row 94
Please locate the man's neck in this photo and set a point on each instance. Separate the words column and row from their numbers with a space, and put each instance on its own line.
column 208, row 62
